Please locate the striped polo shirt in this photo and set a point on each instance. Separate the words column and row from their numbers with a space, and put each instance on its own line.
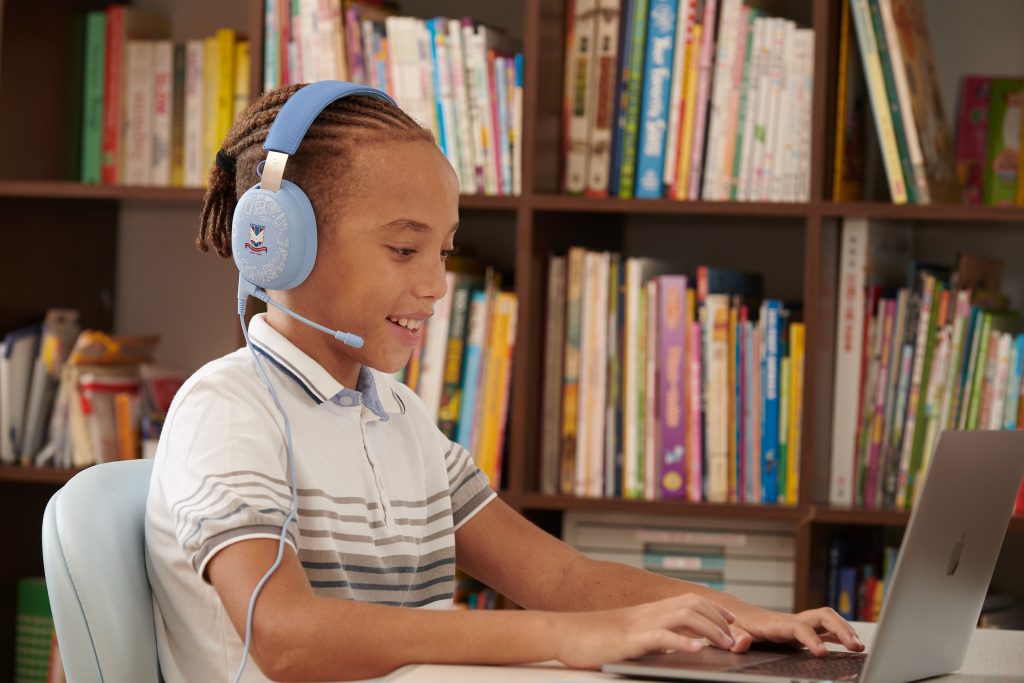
column 381, row 493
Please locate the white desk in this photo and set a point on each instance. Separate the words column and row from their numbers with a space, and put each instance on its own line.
column 992, row 656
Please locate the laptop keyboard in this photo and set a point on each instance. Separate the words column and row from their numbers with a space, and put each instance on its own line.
column 837, row 665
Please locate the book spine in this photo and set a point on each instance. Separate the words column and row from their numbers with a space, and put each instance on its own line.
column 770, row 419
column 725, row 56
column 677, row 95
column 554, row 340
column 879, row 101
column 451, row 388
column 634, row 93
column 700, row 121
column 727, row 162
column 797, row 335
column 681, row 179
column 902, row 119
column 225, row 86
column 849, row 339
column 138, row 112
column 578, row 83
column 476, row 340
column 972, row 133
column 652, row 380
column 602, row 94
column 671, row 355
column 747, row 143
column 654, row 111
column 112, row 95
column 718, row 398
column 194, row 117
column 178, row 117
column 163, row 93
column 694, row 469
column 571, row 366
column 92, row 108
column 622, row 78
column 894, row 56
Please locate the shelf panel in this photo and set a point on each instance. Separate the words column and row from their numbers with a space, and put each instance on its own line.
column 548, row 202
column 929, row 212
column 66, row 189
column 859, row 517
column 482, row 202
column 36, row 475
column 536, row 501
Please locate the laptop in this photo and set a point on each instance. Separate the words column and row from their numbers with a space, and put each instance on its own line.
column 945, row 563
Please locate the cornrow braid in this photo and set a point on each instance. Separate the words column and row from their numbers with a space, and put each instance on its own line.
column 319, row 166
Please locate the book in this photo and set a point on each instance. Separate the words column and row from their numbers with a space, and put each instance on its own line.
column 918, row 59
column 1002, row 149
column 554, row 342
column 633, row 77
column 20, row 349
column 868, row 42
column 972, row 137
column 92, row 103
column 848, row 170
column 654, row 111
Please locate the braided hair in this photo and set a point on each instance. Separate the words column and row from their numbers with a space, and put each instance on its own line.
column 319, row 166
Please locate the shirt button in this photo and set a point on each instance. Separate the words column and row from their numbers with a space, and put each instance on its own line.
column 346, row 401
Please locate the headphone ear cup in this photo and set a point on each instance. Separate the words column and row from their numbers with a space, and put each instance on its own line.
column 273, row 236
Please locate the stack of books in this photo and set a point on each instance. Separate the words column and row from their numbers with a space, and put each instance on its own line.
column 920, row 348
column 658, row 103
column 461, row 79
column 151, row 112
column 655, row 389
column 462, row 365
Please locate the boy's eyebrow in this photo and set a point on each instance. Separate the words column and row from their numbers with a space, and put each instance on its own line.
column 400, row 224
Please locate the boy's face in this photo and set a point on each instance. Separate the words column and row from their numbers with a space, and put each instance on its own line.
column 380, row 264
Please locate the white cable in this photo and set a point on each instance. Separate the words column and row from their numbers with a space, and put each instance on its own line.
column 292, row 514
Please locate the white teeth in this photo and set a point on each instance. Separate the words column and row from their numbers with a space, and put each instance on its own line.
column 407, row 323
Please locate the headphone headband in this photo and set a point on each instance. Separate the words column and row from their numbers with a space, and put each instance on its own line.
column 295, row 118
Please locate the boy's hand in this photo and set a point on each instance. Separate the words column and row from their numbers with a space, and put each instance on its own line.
column 811, row 628
column 588, row 639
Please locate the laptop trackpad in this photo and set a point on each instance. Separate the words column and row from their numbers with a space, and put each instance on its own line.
column 708, row 659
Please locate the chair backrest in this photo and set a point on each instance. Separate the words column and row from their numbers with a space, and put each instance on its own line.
column 94, row 559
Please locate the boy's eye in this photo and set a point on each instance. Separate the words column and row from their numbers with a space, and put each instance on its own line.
column 445, row 253
column 404, row 252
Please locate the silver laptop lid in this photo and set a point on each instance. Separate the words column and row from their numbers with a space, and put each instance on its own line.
column 948, row 554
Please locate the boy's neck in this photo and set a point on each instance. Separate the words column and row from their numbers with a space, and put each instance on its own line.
column 318, row 346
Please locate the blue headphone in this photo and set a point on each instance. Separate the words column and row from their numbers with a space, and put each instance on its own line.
column 273, row 239
column 273, row 229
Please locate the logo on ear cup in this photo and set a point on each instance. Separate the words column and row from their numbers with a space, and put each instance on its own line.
column 256, row 235
column 263, row 235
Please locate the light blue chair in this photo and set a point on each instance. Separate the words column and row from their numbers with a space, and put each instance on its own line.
column 94, row 559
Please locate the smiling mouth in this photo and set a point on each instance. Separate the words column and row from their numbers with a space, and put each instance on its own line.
column 408, row 324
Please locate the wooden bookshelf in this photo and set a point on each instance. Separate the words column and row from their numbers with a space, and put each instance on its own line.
column 36, row 475
column 33, row 51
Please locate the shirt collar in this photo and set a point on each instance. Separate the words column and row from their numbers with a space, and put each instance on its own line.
column 312, row 378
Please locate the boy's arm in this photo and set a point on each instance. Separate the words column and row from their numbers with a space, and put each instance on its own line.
column 534, row 569
column 301, row 636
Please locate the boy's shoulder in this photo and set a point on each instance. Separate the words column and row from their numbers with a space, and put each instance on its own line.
column 231, row 374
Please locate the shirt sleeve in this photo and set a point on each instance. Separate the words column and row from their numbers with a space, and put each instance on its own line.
column 469, row 487
column 224, row 475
